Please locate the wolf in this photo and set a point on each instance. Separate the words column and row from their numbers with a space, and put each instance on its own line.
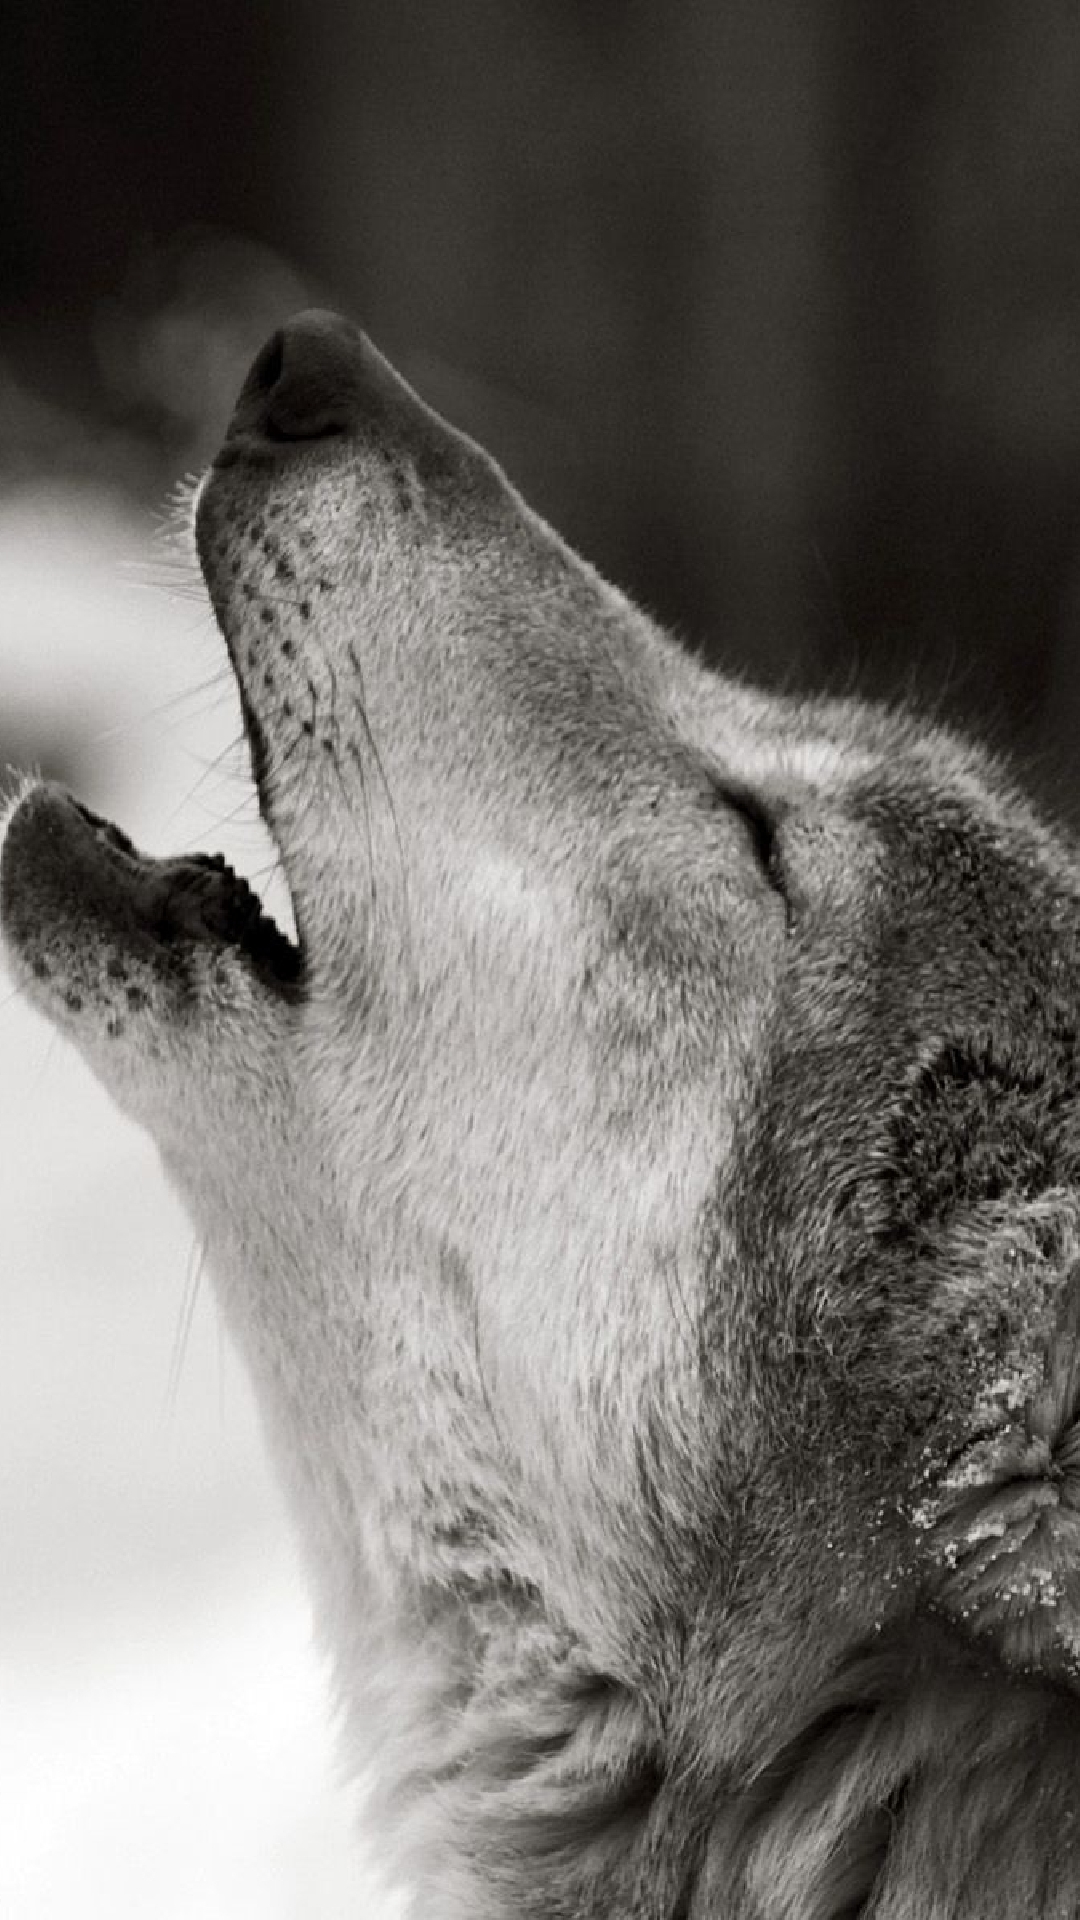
column 646, row 1194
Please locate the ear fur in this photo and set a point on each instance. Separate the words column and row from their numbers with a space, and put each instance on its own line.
column 923, row 1784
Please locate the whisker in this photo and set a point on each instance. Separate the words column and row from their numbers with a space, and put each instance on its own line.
column 361, row 710
column 269, row 871
column 373, row 884
column 163, row 709
column 17, row 991
column 240, row 814
column 182, row 1332
column 220, row 681
column 166, row 576
column 47, row 1059
column 211, row 767
column 292, row 601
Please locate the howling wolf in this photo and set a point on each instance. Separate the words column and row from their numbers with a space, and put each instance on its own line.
column 646, row 1195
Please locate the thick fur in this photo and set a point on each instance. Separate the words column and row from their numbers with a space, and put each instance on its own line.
column 652, row 1221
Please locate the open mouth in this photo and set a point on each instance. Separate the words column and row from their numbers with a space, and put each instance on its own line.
column 68, row 872
column 199, row 896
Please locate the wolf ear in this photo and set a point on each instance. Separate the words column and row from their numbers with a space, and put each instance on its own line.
column 1000, row 1523
column 980, row 1196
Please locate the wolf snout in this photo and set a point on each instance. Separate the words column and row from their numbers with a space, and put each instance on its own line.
column 316, row 378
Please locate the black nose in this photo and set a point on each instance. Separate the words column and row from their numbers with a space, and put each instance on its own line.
column 317, row 376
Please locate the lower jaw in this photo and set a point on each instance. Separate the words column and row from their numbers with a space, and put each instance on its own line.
column 66, row 874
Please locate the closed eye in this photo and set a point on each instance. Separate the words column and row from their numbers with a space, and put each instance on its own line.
column 761, row 825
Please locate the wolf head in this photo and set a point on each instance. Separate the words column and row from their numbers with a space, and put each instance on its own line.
column 646, row 1193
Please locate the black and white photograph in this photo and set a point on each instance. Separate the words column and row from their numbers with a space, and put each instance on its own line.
column 540, row 961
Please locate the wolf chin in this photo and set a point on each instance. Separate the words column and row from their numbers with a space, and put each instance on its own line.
column 646, row 1195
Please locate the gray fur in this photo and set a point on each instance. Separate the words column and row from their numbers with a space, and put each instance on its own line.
column 659, row 1275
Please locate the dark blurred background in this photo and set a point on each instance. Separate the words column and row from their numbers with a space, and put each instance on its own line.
column 773, row 309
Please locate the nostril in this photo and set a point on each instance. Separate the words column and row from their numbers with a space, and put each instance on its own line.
column 306, row 383
column 266, row 369
column 318, row 379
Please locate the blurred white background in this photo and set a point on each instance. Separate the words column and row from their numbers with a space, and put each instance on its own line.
column 166, row 1748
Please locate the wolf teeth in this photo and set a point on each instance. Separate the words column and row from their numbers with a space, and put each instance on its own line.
column 240, row 918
